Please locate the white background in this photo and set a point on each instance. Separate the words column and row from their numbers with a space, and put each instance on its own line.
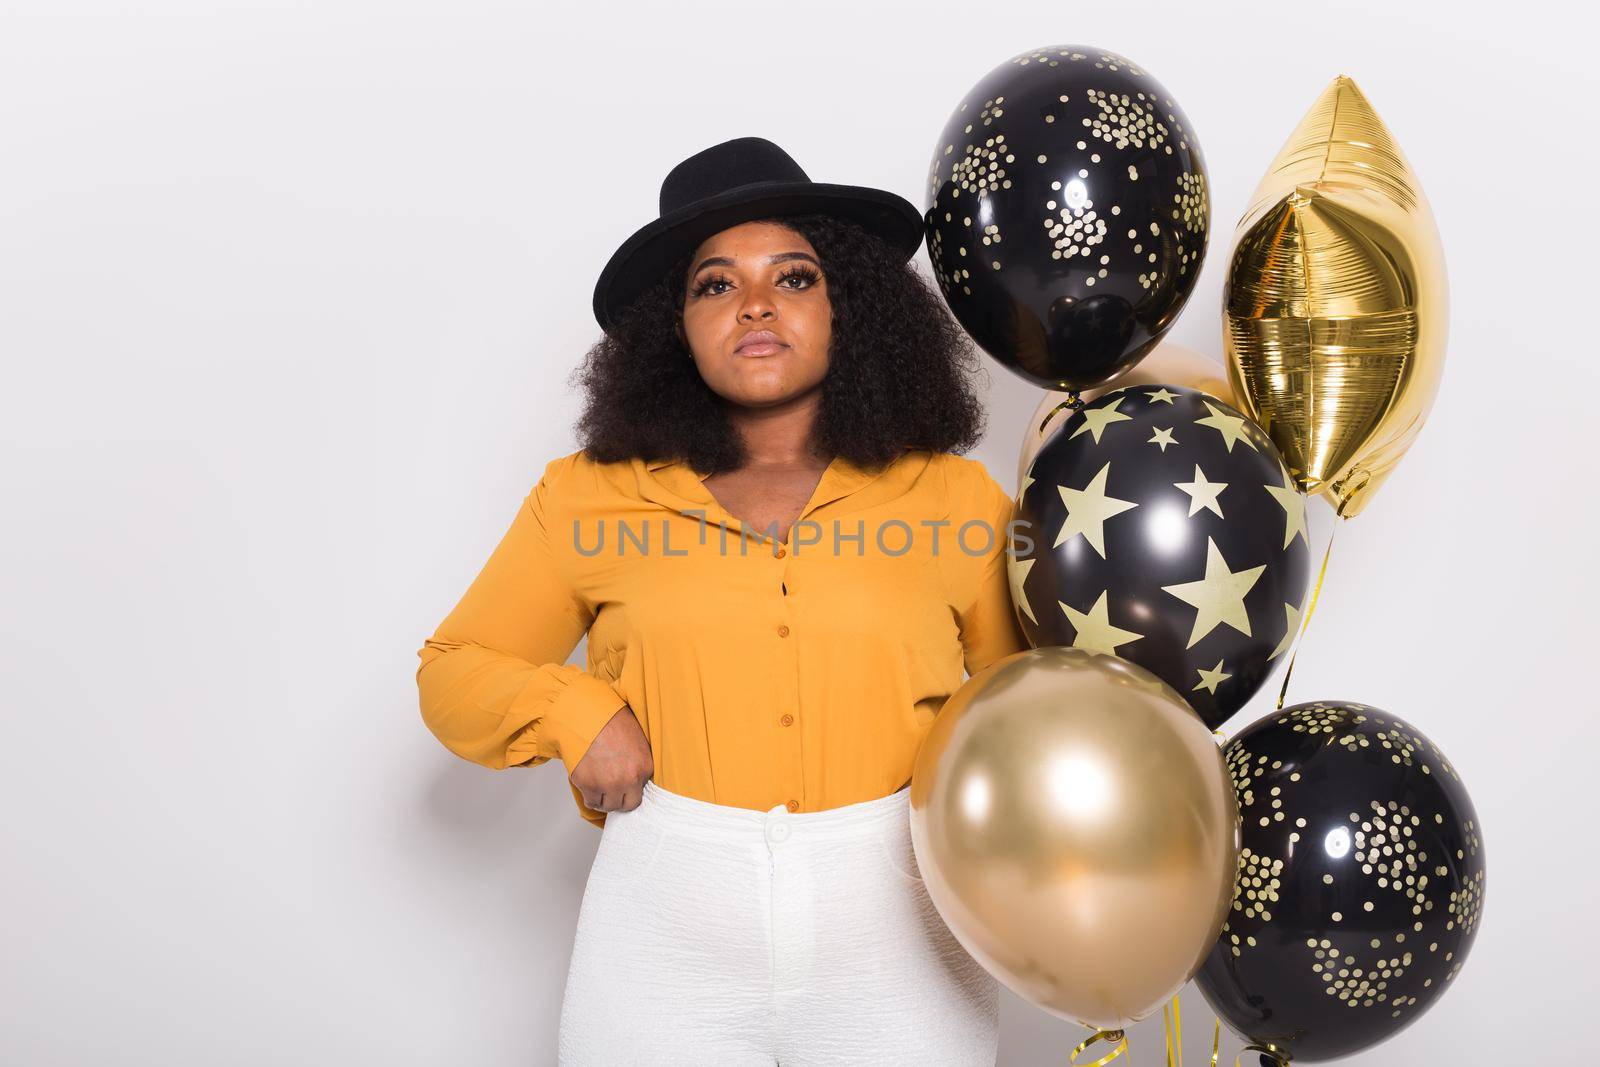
column 289, row 294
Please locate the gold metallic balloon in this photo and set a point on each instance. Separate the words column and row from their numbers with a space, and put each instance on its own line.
column 1077, row 830
column 1168, row 363
column 1335, row 302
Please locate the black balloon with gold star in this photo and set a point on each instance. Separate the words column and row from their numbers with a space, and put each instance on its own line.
column 1361, row 881
column 1067, row 214
column 1166, row 530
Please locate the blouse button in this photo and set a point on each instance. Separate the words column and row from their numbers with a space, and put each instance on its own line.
column 793, row 805
column 783, row 631
column 780, row 553
column 787, row 720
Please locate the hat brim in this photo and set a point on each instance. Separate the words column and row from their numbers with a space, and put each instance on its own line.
column 642, row 259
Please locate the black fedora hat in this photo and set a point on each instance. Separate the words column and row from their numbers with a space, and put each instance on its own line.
column 738, row 181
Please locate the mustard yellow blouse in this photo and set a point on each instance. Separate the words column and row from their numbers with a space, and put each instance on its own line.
column 802, row 673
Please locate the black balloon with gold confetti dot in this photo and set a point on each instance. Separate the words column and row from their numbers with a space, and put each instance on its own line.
column 1360, row 886
column 1164, row 529
column 1067, row 214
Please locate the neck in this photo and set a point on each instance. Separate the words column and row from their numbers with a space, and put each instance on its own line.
column 780, row 436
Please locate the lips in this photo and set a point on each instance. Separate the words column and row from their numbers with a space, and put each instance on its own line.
column 759, row 343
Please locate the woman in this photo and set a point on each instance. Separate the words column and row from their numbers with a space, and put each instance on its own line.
column 782, row 568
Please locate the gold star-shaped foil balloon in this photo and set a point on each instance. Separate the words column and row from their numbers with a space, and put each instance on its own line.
column 1335, row 301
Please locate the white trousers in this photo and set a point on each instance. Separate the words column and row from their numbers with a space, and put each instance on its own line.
column 728, row 937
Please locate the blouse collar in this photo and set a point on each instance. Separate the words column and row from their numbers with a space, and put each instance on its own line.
column 674, row 483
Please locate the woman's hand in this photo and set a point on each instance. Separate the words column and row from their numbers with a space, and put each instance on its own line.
column 612, row 773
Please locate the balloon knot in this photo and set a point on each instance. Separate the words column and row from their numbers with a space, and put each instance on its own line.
column 1107, row 1036
column 1268, row 1052
column 1073, row 403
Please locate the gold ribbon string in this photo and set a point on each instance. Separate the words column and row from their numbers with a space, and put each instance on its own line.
column 1172, row 1028
column 1177, row 1026
column 1360, row 478
column 1278, row 1056
column 1119, row 1036
column 1311, row 609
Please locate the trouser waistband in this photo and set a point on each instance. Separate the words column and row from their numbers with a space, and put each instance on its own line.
column 702, row 818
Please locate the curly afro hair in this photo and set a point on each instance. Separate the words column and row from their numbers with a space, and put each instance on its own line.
column 900, row 369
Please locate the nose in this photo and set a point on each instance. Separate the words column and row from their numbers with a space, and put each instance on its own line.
column 757, row 306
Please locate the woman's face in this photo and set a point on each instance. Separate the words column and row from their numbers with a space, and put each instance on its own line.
column 756, row 314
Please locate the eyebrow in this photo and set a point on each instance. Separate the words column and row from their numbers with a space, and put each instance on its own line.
column 781, row 257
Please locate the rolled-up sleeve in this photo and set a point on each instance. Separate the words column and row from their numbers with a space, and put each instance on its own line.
column 989, row 627
column 493, row 681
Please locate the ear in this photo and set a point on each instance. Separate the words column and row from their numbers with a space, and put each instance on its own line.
column 677, row 326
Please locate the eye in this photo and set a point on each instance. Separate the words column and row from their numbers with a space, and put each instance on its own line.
column 798, row 277
column 710, row 285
